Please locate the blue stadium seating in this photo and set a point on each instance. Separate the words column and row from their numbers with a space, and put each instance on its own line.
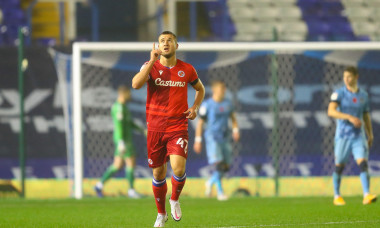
column 13, row 18
column 325, row 19
column 216, row 17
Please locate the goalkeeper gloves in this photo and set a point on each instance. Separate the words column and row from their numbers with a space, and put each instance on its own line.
column 121, row 146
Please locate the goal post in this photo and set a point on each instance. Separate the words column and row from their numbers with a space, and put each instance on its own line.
column 223, row 47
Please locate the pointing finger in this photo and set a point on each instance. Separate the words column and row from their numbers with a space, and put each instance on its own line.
column 154, row 46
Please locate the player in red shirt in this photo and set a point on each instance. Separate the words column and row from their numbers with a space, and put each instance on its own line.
column 167, row 115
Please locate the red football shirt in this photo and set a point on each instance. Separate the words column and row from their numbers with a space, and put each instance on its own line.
column 167, row 96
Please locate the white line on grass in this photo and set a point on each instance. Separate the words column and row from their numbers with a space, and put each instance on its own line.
column 302, row 224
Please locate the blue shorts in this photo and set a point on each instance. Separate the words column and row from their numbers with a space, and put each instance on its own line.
column 344, row 147
column 218, row 151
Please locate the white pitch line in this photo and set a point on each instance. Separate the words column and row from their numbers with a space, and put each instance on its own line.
column 302, row 224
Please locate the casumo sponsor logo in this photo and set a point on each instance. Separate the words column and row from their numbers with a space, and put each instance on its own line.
column 160, row 82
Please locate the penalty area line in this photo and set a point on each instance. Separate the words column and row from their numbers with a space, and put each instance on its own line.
column 302, row 224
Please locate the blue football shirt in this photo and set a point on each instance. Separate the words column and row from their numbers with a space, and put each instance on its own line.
column 355, row 104
column 216, row 114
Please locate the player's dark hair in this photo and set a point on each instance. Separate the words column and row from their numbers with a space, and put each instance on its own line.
column 351, row 69
column 123, row 88
column 169, row 33
column 217, row 81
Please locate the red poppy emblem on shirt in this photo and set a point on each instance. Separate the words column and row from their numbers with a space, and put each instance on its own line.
column 354, row 99
column 221, row 109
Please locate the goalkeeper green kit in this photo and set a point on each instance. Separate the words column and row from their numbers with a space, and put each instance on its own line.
column 123, row 128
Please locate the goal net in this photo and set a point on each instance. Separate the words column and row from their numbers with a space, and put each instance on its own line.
column 280, row 92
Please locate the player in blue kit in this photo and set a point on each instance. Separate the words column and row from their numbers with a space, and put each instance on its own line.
column 216, row 112
column 350, row 106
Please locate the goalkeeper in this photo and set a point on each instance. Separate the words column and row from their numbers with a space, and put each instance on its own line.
column 122, row 136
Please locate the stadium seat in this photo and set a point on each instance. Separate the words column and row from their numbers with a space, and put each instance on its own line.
column 291, row 36
column 290, row 13
column 242, row 13
column 319, row 27
column 295, row 27
column 373, row 3
column 266, row 14
column 353, row 3
column 340, row 28
column 357, row 14
column 375, row 14
column 308, row 4
column 365, row 28
column 367, row 38
column 243, row 28
column 284, row 3
column 262, row 3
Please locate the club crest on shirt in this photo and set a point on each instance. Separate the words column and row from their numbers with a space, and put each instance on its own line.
column 181, row 74
column 160, row 71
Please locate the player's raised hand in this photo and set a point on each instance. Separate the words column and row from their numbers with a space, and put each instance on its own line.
column 198, row 147
column 355, row 121
column 155, row 53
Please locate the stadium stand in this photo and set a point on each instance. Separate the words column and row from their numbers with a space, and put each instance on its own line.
column 221, row 24
column 12, row 17
column 364, row 17
column 296, row 20
column 256, row 20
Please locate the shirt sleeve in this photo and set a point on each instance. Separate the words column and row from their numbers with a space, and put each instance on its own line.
column 366, row 105
column 232, row 108
column 203, row 111
column 336, row 97
column 143, row 66
column 117, row 118
column 193, row 79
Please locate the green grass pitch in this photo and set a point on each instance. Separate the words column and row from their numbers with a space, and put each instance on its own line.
column 236, row 212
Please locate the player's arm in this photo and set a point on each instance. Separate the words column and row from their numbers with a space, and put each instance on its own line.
column 198, row 136
column 368, row 127
column 118, row 130
column 333, row 112
column 199, row 95
column 235, row 127
column 138, row 128
column 142, row 77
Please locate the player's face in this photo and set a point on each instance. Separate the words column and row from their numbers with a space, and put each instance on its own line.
column 125, row 95
column 219, row 90
column 167, row 44
column 349, row 79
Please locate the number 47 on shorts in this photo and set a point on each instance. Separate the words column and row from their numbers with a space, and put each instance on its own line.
column 181, row 142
